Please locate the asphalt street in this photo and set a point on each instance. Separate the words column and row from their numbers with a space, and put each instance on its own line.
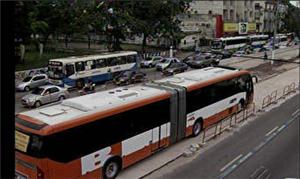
column 152, row 74
column 267, row 147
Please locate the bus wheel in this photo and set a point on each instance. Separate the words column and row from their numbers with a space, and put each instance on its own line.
column 111, row 169
column 241, row 105
column 196, row 128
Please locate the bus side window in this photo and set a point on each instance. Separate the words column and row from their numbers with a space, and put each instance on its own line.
column 79, row 66
column 100, row 63
column 92, row 64
column 70, row 69
column 131, row 59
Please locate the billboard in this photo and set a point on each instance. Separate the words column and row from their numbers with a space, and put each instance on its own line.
column 243, row 27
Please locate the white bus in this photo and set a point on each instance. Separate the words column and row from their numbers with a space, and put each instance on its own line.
column 97, row 135
column 229, row 43
column 76, row 71
column 258, row 40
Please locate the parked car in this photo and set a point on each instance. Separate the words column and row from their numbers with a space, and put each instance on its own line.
column 150, row 62
column 175, row 68
column 129, row 77
column 165, row 62
column 44, row 95
column 202, row 60
column 31, row 82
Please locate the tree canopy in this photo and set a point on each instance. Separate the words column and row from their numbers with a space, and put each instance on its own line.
column 115, row 19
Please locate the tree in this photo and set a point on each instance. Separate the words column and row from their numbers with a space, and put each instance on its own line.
column 290, row 19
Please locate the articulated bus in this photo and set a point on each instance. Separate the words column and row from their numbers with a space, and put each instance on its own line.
column 97, row 135
column 76, row 71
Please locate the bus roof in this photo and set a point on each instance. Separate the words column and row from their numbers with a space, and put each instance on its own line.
column 230, row 38
column 253, row 36
column 103, row 102
column 199, row 77
column 93, row 57
column 79, row 110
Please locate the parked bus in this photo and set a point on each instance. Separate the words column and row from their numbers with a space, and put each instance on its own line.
column 97, row 135
column 229, row 43
column 258, row 40
column 76, row 71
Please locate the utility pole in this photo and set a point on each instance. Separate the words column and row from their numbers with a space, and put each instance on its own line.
column 275, row 29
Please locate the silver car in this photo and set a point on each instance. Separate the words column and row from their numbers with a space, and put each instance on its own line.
column 43, row 95
column 32, row 82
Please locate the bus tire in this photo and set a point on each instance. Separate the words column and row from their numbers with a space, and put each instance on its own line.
column 112, row 168
column 197, row 127
column 241, row 105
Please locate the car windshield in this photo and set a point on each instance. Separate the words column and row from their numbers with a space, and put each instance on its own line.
column 165, row 60
column 148, row 59
column 27, row 79
column 37, row 91
column 156, row 58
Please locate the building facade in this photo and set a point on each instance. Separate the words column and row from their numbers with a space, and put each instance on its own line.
column 213, row 19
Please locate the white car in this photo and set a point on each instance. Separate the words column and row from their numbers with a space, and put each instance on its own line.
column 150, row 62
column 31, row 82
column 165, row 62
column 43, row 95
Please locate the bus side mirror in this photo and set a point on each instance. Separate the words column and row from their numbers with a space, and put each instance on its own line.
column 254, row 78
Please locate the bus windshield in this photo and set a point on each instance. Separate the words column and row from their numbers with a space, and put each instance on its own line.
column 55, row 70
column 216, row 45
column 30, row 144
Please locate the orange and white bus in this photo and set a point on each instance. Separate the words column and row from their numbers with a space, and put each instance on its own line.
column 97, row 135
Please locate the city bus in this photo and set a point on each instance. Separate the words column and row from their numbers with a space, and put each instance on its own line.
column 76, row 71
column 258, row 40
column 97, row 135
column 229, row 43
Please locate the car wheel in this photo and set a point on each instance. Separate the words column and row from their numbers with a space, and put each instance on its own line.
column 27, row 88
column 61, row 98
column 196, row 128
column 111, row 169
column 37, row 104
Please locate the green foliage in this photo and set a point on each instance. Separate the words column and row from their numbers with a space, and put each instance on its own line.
column 153, row 18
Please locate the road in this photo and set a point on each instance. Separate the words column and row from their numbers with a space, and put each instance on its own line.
column 152, row 74
column 268, row 147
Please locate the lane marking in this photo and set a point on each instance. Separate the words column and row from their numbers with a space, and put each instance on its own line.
column 280, row 129
column 295, row 112
column 231, row 162
column 271, row 131
column 256, row 149
column 258, row 171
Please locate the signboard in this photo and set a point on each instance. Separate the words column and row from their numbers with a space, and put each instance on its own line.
column 252, row 27
column 21, row 141
column 243, row 27
column 230, row 27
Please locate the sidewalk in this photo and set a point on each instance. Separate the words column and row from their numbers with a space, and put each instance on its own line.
column 161, row 158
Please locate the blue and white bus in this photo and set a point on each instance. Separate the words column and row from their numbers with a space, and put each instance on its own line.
column 258, row 41
column 229, row 43
column 76, row 71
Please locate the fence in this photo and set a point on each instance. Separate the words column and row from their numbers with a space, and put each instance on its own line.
column 227, row 123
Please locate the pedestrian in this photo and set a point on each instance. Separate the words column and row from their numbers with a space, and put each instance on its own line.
column 266, row 55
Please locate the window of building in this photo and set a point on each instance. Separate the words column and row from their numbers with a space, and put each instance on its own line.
column 251, row 14
column 225, row 14
column 231, row 15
